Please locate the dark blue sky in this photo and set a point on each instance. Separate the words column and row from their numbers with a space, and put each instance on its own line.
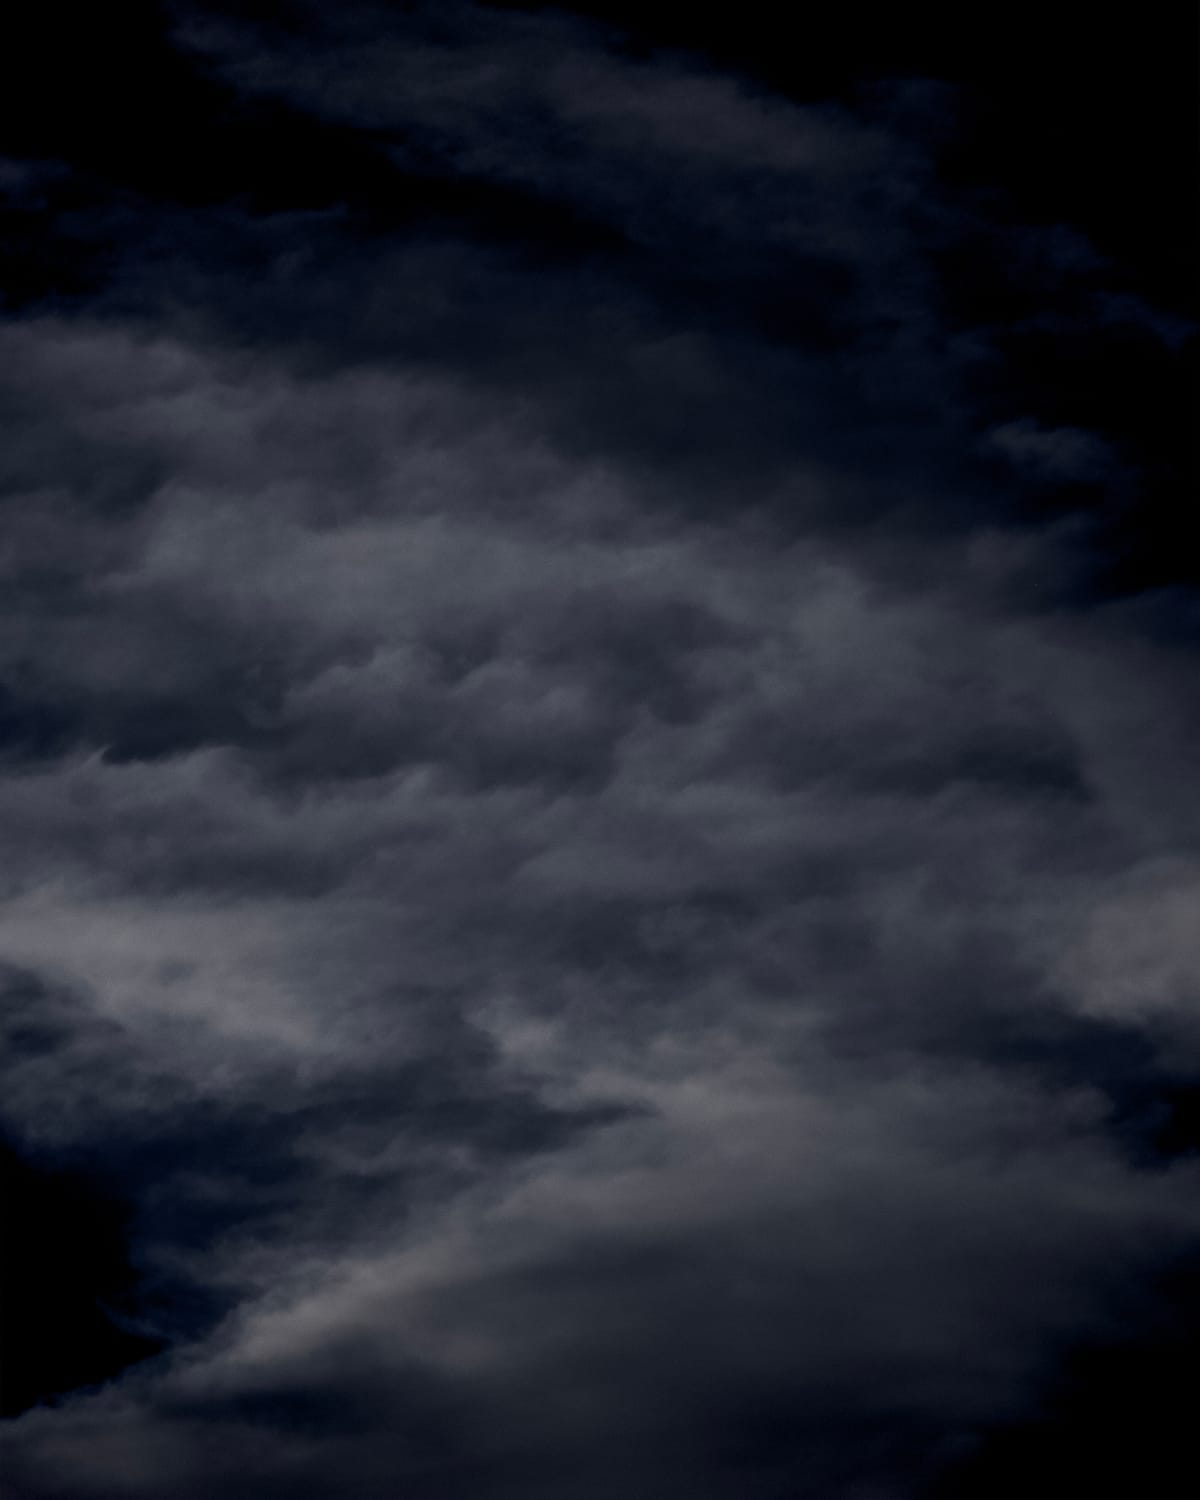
column 597, row 728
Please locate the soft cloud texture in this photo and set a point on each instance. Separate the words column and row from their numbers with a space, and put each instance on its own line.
column 622, row 937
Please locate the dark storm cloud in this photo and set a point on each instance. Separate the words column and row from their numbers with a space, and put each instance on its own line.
column 562, row 842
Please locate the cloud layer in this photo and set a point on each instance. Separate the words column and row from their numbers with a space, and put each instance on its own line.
column 569, row 838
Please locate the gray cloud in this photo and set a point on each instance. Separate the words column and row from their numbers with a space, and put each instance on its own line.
column 583, row 915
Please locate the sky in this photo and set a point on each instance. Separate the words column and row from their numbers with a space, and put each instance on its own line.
column 598, row 727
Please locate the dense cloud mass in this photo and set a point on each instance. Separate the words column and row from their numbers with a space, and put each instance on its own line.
column 591, row 846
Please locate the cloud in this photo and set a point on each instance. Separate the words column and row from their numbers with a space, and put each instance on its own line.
column 557, row 842
column 681, row 831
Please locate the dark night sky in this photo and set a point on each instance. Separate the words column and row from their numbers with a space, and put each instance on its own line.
column 598, row 718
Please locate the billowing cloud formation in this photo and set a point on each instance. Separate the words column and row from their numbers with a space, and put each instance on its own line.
column 562, row 838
